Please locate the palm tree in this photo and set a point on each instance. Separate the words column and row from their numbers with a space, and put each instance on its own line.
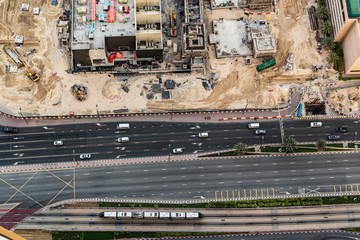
column 328, row 43
column 321, row 12
column 325, row 27
column 240, row 149
column 289, row 145
column 333, row 58
column 321, row 144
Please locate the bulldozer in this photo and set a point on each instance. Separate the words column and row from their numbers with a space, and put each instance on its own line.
column 32, row 75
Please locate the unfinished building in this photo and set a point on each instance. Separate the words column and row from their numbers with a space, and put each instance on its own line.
column 251, row 4
column 119, row 37
column 193, row 29
column 239, row 37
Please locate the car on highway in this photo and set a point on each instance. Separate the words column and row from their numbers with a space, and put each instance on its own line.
column 315, row 124
column 85, row 156
column 253, row 125
column 177, row 150
column 203, row 135
column 260, row 131
column 334, row 137
column 58, row 143
column 123, row 139
column 342, row 129
column 10, row 130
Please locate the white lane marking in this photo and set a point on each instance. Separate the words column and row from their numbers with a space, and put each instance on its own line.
column 345, row 160
column 256, row 164
column 258, row 180
column 145, row 170
column 331, row 177
column 328, row 161
column 183, row 168
column 294, row 179
column 330, row 169
column 276, row 180
column 311, row 170
column 221, row 182
column 274, row 163
column 86, row 174
column 292, row 162
column 200, row 167
column 219, row 166
column 108, row 172
column 127, row 171
column 164, row 149
column 293, row 170
column 275, row 171
column 164, row 169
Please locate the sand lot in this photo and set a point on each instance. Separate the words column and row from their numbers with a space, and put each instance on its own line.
column 238, row 86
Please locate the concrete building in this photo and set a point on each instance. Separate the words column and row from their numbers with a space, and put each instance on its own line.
column 193, row 35
column 133, row 39
column 345, row 20
column 251, row 4
column 239, row 37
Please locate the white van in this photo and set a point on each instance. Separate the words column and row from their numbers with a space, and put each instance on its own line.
column 253, row 125
column 123, row 139
column 123, row 126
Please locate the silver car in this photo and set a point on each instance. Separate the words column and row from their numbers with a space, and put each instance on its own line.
column 260, row 131
column 85, row 156
column 58, row 143
column 177, row 150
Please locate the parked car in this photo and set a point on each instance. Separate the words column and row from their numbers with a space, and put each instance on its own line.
column 334, row 137
column 85, row 156
column 203, row 135
column 177, row 150
column 315, row 124
column 10, row 130
column 260, row 131
column 58, row 143
column 342, row 129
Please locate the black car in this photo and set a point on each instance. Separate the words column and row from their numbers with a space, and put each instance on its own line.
column 334, row 137
column 342, row 129
column 10, row 130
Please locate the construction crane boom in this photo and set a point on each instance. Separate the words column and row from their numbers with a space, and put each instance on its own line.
column 32, row 75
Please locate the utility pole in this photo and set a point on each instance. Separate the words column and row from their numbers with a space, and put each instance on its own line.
column 74, row 159
column 169, row 151
column 23, row 116
column 281, row 125
column 98, row 112
column 172, row 111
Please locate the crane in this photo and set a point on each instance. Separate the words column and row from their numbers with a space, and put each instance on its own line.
column 32, row 75
column 173, row 31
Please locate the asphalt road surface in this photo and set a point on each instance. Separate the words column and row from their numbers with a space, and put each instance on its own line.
column 213, row 220
column 200, row 179
column 34, row 145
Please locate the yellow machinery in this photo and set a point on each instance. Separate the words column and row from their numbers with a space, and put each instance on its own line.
column 173, row 31
column 32, row 75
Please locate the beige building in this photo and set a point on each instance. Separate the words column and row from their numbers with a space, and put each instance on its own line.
column 345, row 20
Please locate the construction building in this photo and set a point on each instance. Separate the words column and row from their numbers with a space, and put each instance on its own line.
column 239, row 37
column 193, row 32
column 251, row 4
column 119, row 36
column 345, row 20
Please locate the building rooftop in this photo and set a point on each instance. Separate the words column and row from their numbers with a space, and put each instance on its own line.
column 354, row 8
column 124, row 24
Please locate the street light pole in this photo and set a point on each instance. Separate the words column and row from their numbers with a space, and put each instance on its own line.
column 98, row 112
column 172, row 111
column 281, row 124
column 23, row 116
column 169, row 151
column 74, row 157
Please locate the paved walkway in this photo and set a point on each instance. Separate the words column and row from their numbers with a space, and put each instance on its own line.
column 8, row 120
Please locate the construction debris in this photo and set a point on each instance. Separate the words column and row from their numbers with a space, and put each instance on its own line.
column 29, row 52
column 80, row 92
column 288, row 66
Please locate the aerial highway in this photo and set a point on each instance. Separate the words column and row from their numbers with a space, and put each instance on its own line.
column 218, row 179
column 212, row 220
column 34, row 145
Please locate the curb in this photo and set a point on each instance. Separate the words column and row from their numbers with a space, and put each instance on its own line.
column 242, row 118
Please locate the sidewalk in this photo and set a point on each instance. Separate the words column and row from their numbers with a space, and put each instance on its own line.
column 201, row 116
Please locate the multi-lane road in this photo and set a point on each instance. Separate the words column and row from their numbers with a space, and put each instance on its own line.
column 35, row 144
column 213, row 220
column 203, row 179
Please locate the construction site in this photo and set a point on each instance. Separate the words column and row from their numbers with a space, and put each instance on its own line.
column 108, row 56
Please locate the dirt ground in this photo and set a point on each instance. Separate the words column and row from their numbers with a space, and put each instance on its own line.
column 239, row 86
column 346, row 100
column 34, row 234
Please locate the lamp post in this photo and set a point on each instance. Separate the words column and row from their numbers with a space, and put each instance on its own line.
column 172, row 111
column 23, row 116
column 169, row 151
column 98, row 112
column 74, row 157
column 281, row 124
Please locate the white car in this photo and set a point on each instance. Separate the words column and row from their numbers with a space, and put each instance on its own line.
column 203, row 135
column 315, row 124
column 85, row 156
column 58, row 143
column 177, row 150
